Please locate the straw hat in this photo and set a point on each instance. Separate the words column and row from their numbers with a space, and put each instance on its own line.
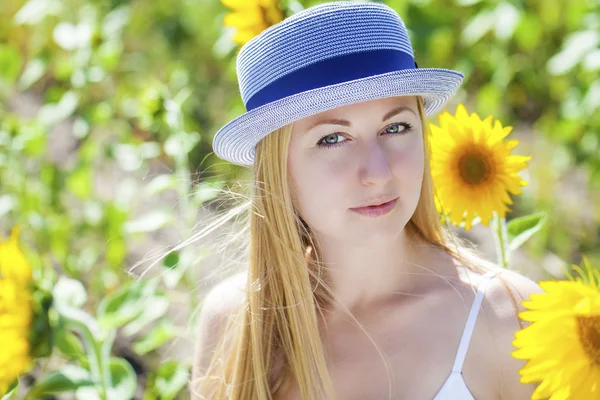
column 326, row 56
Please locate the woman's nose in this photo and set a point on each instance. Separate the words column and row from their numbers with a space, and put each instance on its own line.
column 375, row 167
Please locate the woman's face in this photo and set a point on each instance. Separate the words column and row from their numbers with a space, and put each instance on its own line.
column 354, row 155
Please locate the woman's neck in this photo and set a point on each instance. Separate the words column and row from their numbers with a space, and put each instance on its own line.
column 361, row 275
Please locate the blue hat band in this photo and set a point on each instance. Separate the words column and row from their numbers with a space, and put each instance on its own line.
column 332, row 71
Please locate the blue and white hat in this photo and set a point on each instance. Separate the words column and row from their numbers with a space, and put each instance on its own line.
column 326, row 56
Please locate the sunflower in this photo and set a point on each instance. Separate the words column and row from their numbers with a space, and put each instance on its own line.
column 15, row 311
column 251, row 17
column 472, row 170
column 562, row 345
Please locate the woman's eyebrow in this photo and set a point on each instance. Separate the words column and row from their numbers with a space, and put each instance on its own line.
column 343, row 122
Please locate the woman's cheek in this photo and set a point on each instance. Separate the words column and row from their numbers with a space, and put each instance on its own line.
column 409, row 156
column 321, row 190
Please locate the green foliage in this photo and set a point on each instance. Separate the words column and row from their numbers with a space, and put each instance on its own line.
column 523, row 228
column 12, row 391
column 167, row 381
column 67, row 378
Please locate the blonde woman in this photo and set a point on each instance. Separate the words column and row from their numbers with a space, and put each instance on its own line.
column 353, row 288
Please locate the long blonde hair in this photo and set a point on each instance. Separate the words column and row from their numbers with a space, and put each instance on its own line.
column 287, row 287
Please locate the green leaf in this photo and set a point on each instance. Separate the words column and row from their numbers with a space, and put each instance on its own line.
column 575, row 47
column 66, row 379
column 489, row 98
column 125, row 304
column 89, row 151
column 123, row 383
column 52, row 114
column 149, row 222
column 507, row 18
column 116, row 250
column 71, row 37
column 466, row 3
column 522, row 228
column 124, row 379
column 529, row 32
column 207, row 191
column 171, row 260
column 79, row 182
column 69, row 344
column 41, row 337
column 7, row 203
column 159, row 184
column 12, row 392
column 159, row 335
column 171, row 378
column 32, row 139
column 187, row 258
column 591, row 61
column 477, row 27
column 81, row 128
column 81, row 321
column 63, row 67
column 34, row 70
column 115, row 22
column 181, row 143
column 120, row 307
column 156, row 307
column 440, row 44
column 70, row 292
column 34, row 11
column 10, row 63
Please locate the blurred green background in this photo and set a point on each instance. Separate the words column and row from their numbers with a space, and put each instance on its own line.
column 107, row 111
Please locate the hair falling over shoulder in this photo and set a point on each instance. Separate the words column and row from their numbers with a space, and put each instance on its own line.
column 287, row 289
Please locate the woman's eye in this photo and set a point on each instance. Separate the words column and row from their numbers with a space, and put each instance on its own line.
column 330, row 140
column 336, row 139
column 396, row 128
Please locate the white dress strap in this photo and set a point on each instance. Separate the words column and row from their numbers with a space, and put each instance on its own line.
column 471, row 319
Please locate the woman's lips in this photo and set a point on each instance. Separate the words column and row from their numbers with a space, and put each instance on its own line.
column 376, row 211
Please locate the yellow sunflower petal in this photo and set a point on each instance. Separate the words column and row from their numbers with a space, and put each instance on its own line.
column 243, row 20
column 239, row 4
column 251, row 17
column 471, row 167
column 562, row 353
column 243, row 36
column 15, row 311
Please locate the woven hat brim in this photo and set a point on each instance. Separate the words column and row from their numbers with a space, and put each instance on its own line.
column 236, row 141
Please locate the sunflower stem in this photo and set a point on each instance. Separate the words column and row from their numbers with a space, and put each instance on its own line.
column 501, row 239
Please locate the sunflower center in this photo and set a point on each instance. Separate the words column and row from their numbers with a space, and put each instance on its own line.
column 588, row 329
column 474, row 168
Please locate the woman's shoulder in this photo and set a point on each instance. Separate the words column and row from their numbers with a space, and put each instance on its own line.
column 507, row 289
column 503, row 294
column 227, row 291
column 223, row 299
column 505, row 284
column 500, row 311
column 218, row 305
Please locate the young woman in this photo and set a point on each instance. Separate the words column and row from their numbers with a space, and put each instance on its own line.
column 354, row 289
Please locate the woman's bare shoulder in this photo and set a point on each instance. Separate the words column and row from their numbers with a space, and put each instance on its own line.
column 510, row 286
column 503, row 302
column 219, row 303
column 225, row 295
column 504, row 293
column 507, row 285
